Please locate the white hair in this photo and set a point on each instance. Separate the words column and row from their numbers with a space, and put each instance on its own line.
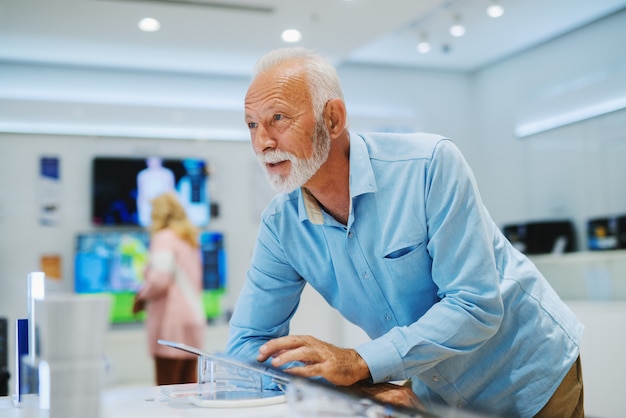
column 321, row 76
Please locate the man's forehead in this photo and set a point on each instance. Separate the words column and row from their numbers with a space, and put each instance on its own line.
column 278, row 87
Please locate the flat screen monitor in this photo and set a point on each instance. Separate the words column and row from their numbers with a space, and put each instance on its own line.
column 122, row 189
column 113, row 262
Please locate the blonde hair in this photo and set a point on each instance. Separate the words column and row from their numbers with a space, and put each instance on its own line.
column 167, row 212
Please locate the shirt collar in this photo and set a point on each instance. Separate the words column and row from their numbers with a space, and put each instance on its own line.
column 362, row 181
column 362, row 178
column 309, row 208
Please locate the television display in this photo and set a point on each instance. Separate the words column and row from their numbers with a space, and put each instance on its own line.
column 113, row 262
column 213, row 272
column 122, row 188
column 606, row 233
column 542, row 237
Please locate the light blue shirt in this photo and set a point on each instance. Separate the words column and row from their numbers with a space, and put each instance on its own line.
column 424, row 271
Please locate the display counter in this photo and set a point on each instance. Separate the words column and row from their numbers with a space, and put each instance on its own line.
column 307, row 400
column 140, row 402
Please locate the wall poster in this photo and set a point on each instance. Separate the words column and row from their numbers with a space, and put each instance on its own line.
column 49, row 191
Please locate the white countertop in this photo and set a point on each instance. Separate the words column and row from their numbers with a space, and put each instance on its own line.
column 147, row 402
column 150, row 402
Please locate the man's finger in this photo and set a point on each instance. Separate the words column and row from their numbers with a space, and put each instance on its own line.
column 304, row 371
column 300, row 354
column 276, row 346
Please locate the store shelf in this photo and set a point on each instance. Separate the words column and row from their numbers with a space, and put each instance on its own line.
column 591, row 275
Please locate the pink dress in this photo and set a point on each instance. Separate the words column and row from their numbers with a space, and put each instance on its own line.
column 173, row 292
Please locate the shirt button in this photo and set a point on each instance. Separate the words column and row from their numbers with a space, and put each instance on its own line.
column 365, row 275
column 435, row 379
column 388, row 317
column 350, row 234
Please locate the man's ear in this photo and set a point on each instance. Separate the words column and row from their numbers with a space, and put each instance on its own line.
column 335, row 116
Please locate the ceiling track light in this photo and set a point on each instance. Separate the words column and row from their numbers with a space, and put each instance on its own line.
column 457, row 29
column 495, row 9
column 423, row 46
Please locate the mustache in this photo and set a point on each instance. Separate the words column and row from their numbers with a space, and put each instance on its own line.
column 275, row 156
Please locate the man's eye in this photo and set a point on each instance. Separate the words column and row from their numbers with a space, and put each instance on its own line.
column 278, row 117
column 252, row 125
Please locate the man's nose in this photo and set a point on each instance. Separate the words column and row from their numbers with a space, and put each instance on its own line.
column 262, row 140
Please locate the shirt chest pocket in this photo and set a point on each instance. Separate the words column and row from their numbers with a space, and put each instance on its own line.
column 402, row 243
column 401, row 252
column 410, row 252
column 403, row 237
column 405, row 251
column 407, row 268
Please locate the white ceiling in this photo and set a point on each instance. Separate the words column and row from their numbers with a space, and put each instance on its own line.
column 226, row 37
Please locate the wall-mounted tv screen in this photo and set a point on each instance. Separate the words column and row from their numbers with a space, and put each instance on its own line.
column 113, row 262
column 122, row 188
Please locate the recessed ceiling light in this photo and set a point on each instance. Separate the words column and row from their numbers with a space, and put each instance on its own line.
column 149, row 24
column 457, row 30
column 291, row 36
column 423, row 47
column 495, row 10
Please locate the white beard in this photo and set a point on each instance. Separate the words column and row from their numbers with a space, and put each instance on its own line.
column 302, row 169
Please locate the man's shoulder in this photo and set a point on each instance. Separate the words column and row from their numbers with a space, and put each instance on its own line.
column 279, row 201
column 415, row 145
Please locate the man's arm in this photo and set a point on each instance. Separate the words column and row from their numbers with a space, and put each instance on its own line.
column 267, row 302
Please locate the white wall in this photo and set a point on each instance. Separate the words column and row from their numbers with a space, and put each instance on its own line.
column 576, row 171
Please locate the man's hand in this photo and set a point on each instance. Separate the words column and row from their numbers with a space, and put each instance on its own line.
column 340, row 366
column 390, row 393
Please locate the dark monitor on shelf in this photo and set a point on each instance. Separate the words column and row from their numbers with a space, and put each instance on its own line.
column 606, row 233
column 542, row 237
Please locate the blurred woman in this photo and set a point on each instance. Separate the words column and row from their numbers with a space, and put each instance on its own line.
column 172, row 291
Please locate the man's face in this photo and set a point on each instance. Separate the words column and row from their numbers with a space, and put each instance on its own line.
column 290, row 145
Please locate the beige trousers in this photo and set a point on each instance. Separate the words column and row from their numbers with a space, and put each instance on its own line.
column 567, row 401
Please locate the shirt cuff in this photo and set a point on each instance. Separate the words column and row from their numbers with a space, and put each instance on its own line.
column 383, row 360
